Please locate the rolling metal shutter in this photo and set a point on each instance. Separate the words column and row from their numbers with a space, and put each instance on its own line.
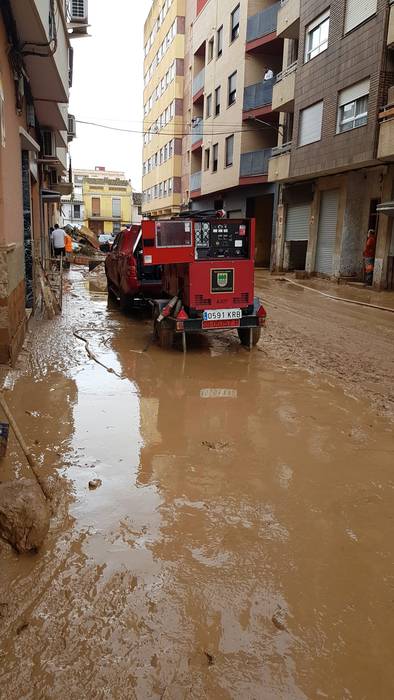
column 297, row 222
column 327, row 231
column 310, row 124
column 358, row 11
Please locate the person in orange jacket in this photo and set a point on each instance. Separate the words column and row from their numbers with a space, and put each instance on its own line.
column 369, row 256
column 68, row 243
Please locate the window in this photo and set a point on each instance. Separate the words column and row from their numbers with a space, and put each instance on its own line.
column 219, row 42
column 116, row 206
column 77, row 211
column 234, row 24
column 210, row 49
column 229, row 150
column 217, row 101
column 232, row 88
column 353, row 107
column 170, row 183
column 316, row 38
column 310, row 124
column 95, row 206
column 215, row 154
column 208, row 106
column 116, row 228
column 207, row 158
column 357, row 11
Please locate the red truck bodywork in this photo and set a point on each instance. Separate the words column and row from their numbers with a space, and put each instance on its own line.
column 127, row 277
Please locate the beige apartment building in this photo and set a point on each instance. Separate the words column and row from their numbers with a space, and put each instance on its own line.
column 164, row 49
column 232, row 55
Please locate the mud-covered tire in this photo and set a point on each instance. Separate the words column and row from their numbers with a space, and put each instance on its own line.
column 165, row 334
column 244, row 335
column 125, row 302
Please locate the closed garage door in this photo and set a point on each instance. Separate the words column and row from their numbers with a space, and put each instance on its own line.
column 297, row 222
column 327, row 231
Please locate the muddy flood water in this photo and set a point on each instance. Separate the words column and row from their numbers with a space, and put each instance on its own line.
column 241, row 545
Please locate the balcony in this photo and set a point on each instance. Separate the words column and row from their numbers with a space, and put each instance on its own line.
column 261, row 30
column 48, row 76
column 284, row 89
column 198, row 85
column 195, row 183
column 386, row 133
column 254, row 166
column 279, row 164
column 288, row 26
column 258, row 99
column 197, row 135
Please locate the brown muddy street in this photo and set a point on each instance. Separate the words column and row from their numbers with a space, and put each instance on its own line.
column 241, row 544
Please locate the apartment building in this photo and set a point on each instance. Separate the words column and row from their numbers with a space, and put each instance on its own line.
column 35, row 77
column 232, row 55
column 164, row 47
column 333, row 160
column 107, row 196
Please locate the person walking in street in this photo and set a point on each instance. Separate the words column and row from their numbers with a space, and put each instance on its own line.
column 369, row 256
column 68, row 243
column 58, row 240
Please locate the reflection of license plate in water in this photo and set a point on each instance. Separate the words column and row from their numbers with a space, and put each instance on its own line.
column 218, row 393
column 221, row 314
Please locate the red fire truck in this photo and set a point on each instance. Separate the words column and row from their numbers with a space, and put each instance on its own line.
column 207, row 276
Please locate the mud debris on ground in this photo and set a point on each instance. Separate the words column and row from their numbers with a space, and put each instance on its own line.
column 271, row 556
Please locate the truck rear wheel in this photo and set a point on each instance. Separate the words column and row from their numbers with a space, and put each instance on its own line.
column 244, row 335
column 165, row 334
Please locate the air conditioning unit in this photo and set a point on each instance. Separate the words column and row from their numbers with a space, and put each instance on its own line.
column 78, row 11
column 48, row 143
column 72, row 131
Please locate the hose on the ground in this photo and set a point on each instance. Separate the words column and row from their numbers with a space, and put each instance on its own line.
column 331, row 296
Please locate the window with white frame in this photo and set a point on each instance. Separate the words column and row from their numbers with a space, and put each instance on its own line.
column 357, row 11
column 316, row 36
column 234, row 23
column 353, row 107
column 310, row 124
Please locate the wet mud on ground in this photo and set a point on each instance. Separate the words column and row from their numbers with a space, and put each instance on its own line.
column 241, row 543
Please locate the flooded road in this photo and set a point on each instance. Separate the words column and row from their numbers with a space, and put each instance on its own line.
column 241, row 545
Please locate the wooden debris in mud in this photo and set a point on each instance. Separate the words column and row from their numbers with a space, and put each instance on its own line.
column 51, row 304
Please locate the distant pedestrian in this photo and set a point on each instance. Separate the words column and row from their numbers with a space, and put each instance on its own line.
column 68, row 243
column 58, row 240
column 269, row 74
column 369, row 256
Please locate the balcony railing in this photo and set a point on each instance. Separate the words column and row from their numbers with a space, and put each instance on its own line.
column 195, row 181
column 258, row 95
column 197, row 132
column 280, row 150
column 255, row 163
column 286, row 71
column 198, row 82
column 263, row 23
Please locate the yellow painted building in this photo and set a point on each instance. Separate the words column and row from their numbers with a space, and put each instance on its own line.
column 107, row 203
column 164, row 49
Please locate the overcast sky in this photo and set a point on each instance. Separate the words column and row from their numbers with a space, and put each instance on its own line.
column 107, row 87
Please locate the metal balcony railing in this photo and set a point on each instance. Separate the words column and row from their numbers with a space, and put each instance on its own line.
column 286, row 71
column 263, row 23
column 195, row 181
column 258, row 95
column 280, row 150
column 197, row 132
column 255, row 163
column 198, row 82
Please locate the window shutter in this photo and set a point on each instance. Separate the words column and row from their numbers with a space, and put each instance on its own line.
column 310, row 124
column 358, row 11
column 354, row 92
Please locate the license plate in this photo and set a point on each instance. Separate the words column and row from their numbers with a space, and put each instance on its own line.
column 221, row 314
column 229, row 323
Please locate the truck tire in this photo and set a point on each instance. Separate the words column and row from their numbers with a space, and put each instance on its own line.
column 165, row 334
column 244, row 335
column 125, row 302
